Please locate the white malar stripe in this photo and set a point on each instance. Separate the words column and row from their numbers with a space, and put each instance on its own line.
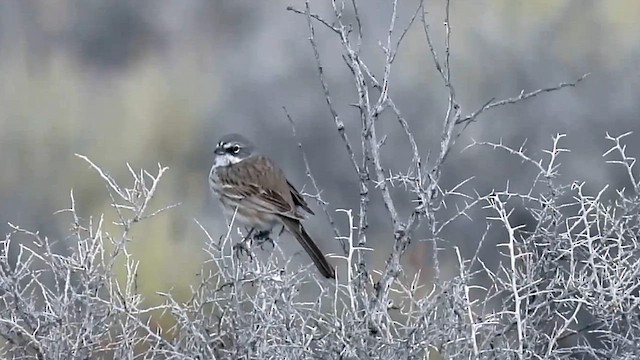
column 225, row 160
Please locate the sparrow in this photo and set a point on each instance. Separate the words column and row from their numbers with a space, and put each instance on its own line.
column 255, row 192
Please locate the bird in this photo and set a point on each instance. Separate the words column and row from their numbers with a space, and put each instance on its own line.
column 254, row 191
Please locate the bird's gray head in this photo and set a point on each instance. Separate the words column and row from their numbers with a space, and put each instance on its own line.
column 231, row 149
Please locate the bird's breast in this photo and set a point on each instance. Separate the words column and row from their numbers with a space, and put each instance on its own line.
column 241, row 214
column 239, row 209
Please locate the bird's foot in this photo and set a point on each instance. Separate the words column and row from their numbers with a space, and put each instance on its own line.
column 250, row 231
column 244, row 246
column 262, row 237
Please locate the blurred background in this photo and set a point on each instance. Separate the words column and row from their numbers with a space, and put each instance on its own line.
column 146, row 82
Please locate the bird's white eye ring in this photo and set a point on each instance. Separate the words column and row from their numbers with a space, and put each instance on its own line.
column 235, row 149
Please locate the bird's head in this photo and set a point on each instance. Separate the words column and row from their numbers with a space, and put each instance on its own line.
column 231, row 149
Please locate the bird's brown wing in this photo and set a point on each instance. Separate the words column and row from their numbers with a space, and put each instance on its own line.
column 298, row 199
column 259, row 182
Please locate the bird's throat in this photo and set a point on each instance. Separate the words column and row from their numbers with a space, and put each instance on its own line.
column 225, row 160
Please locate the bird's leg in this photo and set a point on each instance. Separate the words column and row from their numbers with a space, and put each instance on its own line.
column 249, row 233
column 263, row 236
column 244, row 246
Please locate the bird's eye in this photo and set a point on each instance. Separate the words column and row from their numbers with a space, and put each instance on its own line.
column 235, row 149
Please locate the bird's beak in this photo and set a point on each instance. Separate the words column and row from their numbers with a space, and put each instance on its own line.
column 219, row 151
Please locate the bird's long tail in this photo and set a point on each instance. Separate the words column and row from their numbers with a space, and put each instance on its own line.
column 297, row 230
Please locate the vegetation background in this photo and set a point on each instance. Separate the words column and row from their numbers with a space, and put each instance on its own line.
column 143, row 82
